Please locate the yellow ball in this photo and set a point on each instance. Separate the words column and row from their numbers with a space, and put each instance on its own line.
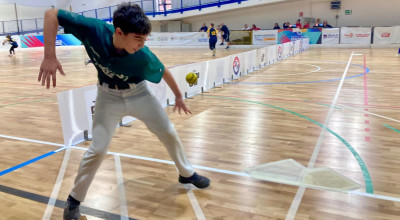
column 191, row 78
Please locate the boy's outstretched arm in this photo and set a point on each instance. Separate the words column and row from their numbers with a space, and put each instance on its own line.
column 50, row 62
column 179, row 103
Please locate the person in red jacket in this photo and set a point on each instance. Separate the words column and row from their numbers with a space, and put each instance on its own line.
column 298, row 24
column 254, row 28
column 306, row 25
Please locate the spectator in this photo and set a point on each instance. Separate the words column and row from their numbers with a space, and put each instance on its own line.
column 225, row 35
column 276, row 26
column 318, row 23
column 254, row 28
column 306, row 25
column 286, row 25
column 246, row 28
column 298, row 24
column 203, row 28
column 326, row 25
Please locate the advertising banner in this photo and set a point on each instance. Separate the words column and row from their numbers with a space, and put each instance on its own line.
column 287, row 35
column 177, row 39
column 355, row 35
column 28, row 41
column 330, row 36
column 387, row 35
column 265, row 37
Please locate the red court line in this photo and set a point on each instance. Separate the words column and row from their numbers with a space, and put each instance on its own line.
column 367, row 136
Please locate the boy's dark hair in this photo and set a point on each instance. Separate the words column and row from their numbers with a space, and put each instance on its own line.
column 8, row 36
column 212, row 24
column 131, row 19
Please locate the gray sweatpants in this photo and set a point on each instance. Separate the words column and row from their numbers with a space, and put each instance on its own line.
column 111, row 105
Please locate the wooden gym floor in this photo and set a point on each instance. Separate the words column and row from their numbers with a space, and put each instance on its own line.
column 273, row 114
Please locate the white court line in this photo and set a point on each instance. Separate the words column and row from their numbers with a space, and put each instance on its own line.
column 56, row 189
column 300, row 192
column 195, row 204
column 30, row 140
column 294, row 74
column 121, row 189
column 358, row 110
column 377, row 196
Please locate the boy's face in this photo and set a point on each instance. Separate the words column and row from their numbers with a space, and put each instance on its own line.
column 131, row 42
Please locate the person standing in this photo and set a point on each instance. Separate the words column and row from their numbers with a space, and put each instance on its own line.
column 225, row 35
column 123, row 64
column 212, row 38
column 204, row 28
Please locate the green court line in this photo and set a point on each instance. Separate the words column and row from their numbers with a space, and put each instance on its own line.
column 303, row 99
column 394, row 129
column 367, row 177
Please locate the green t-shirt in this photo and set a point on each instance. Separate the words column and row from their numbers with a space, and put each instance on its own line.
column 97, row 37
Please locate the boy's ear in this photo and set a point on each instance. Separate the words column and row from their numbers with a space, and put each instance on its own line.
column 118, row 31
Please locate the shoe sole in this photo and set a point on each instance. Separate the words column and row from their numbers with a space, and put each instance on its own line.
column 185, row 184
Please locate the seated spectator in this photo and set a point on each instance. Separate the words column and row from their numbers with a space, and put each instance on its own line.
column 286, row 25
column 318, row 23
column 246, row 28
column 254, row 28
column 277, row 26
column 298, row 24
column 306, row 25
column 326, row 25
column 203, row 28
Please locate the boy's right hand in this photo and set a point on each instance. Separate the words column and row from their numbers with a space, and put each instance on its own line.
column 48, row 70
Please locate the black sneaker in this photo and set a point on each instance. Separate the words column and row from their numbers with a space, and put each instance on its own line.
column 221, row 44
column 227, row 47
column 198, row 181
column 71, row 210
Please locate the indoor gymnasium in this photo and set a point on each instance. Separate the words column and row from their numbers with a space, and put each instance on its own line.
column 209, row 109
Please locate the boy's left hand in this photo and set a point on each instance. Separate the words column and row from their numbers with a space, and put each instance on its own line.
column 180, row 105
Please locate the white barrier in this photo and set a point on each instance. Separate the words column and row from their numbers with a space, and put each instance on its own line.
column 355, row 35
column 76, row 106
column 387, row 35
column 265, row 37
column 330, row 36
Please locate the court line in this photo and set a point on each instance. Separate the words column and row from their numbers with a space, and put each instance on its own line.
column 304, row 100
column 59, row 203
column 300, row 192
column 366, row 129
column 368, row 112
column 295, row 74
column 363, row 167
column 388, row 198
column 390, row 127
column 121, row 188
column 195, row 204
column 305, row 82
column 56, row 189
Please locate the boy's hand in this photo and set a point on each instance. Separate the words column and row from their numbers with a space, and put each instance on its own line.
column 180, row 105
column 48, row 70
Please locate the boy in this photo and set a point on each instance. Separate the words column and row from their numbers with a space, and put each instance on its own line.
column 123, row 64
column 13, row 43
column 212, row 35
